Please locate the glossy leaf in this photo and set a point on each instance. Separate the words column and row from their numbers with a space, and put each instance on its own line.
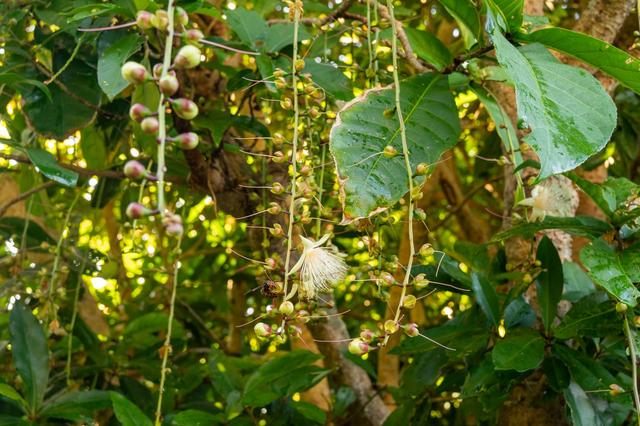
column 127, row 413
column 519, row 313
column 425, row 45
column 197, row 418
column 613, row 61
column 577, row 283
column 93, row 148
column 512, row 11
column 583, row 412
column 77, row 406
column 330, row 79
column 110, row 61
column 282, row 375
column 248, row 25
column 584, row 226
column 13, row 79
column 591, row 316
column 66, row 111
column 9, row 392
column 279, row 36
column 568, row 113
column 466, row 14
column 30, row 354
column 605, row 268
column 550, row 282
column 48, row 166
column 521, row 349
column 487, row 298
column 371, row 182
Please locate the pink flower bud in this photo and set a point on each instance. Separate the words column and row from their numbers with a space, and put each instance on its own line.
column 187, row 140
column 174, row 229
column 137, row 211
column 181, row 16
column 150, row 125
column 411, row 329
column 270, row 263
column 157, row 70
column 358, row 347
column 193, row 36
column 145, row 19
column 185, row 108
column 262, row 330
column 134, row 170
column 188, row 57
column 169, row 84
column 366, row 335
column 138, row 111
column 162, row 20
column 134, row 72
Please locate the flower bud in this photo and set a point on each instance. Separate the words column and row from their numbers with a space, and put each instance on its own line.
column 274, row 208
column 279, row 157
column 134, row 72
column 314, row 112
column 135, row 170
column 188, row 57
column 278, row 73
column 278, row 139
column 389, row 151
column 145, row 19
column 280, row 83
column 187, row 140
column 358, row 347
column 193, row 36
column 174, row 229
column 621, row 307
column 409, row 301
column 286, row 103
column 169, row 84
column 280, row 339
column 277, row 188
column 185, row 108
column 426, row 250
column 277, row 230
column 615, row 389
column 150, row 125
column 420, row 214
column 366, row 335
column 270, row 263
column 286, row 308
column 262, row 330
column 138, row 111
column 305, row 170
column 137, row 211
column 422, row 169
column 390, row 326
column 299, row 64
column 157, row 70
column 181, row 16
column 420, row 282
column 411, row 329
column 387, row 278
column 162, row 20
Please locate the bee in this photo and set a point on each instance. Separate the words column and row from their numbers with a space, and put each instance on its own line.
column 271, row 289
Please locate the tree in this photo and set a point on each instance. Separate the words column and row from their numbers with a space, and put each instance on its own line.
column 354, row 212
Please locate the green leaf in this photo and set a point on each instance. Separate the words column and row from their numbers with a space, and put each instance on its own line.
column 12, row 79
column 591, row 316
column 13, row 421
column 370, row 181
column 76, row 406
column 66, row 111
column 429, row 47
column 503, row 124
column 583, row 413
column 600, row 54
column 110, row 61
column 512, row 11
column 281, row 376
column 248, row 25
column 142, row 332
column 550, row 282
column 30, row 354
column 557, row 374
column 9, row 392
column 577, row 283
column 519, row 313
column 568, row 113
column 605, row 268
column 93, row 148
column 330, row 79
column 127, row 413
column 197, row 418
column 584, row 226
column 466, row 14
column 630, row 261
column 48, row 166
column 612, row 196
column 310, row 412
column 520, row 350
column 487, row 297
column 279, row 36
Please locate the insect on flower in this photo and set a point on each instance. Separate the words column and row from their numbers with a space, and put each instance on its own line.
column 320, row 267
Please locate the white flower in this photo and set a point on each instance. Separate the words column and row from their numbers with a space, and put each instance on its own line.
column 553, row 197
column 320, row 267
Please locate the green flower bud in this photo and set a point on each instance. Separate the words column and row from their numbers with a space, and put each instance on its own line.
column 389, row 151
column 188, row 57
column 169, row 84
column 185, row 108
column 358, row 347
column 409, row 301
column 145, row 19
column 286, row 308
column 262, row 330
column 134, row 72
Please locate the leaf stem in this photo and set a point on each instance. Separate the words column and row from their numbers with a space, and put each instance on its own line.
column 294, row 148
column 162, row 130
column 634, row 366
column 407, row 161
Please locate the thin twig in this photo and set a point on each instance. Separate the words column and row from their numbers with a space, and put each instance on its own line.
column 24, row 195
column 634, row 367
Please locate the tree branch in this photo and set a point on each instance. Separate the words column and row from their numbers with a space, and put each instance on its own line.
column 23, row 196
